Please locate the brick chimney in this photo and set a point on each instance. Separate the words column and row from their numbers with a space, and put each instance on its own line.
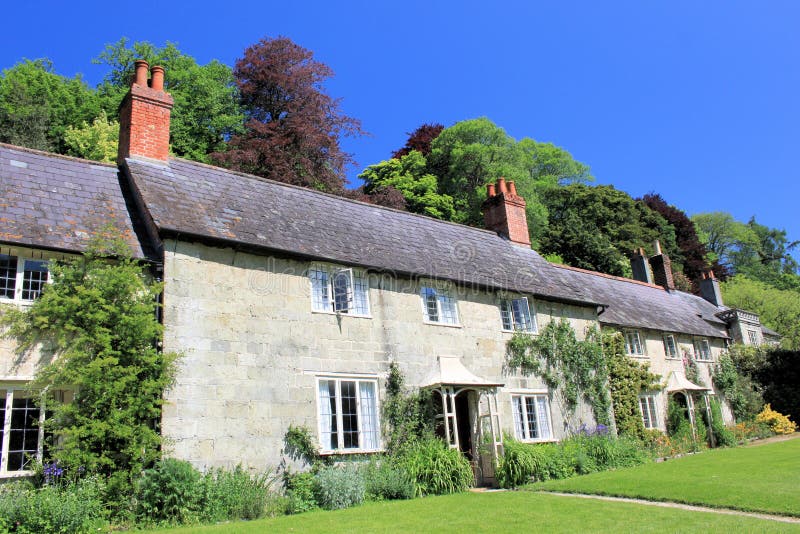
column 504, row 212
column 639, row 266
column 662, row 268
column 144, row 116
column 709, row 288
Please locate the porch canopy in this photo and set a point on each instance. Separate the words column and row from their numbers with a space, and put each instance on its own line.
column 449, row 378
column 678, row 382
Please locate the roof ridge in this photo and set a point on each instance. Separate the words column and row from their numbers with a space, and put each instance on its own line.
column 54, row 155
column 609, row 276
column 323, row 193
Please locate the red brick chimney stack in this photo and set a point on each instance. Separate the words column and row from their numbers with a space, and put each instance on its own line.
column 144, row 116
column 504, row 212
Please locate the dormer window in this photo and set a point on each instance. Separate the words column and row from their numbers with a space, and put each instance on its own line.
column 339, row 290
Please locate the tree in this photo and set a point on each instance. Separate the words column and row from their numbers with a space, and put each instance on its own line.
column 37, row 105
column 779, row 309
column 206, row 111
column 420, row 140
column 293, row 127
column 597, row 228
column 97, row 141
column 694, row 253
column 407, row 175
column 97, row 321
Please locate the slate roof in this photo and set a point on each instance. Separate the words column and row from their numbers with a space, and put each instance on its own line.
column 639, row 305
column 58, row 202
column 206, row 202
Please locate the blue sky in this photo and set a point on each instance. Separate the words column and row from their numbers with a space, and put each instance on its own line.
column 697, row 101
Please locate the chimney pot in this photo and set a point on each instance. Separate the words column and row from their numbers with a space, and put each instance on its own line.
column 501, row 185
column 512, row 189
column 490, row 191
column 157, row 82
column 709, row 289
column 141, row 72
column 657, row 247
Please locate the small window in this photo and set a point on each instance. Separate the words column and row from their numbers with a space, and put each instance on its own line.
column 19, row 422
column 633, row 343
column 348, row 414
column 670, row 347
column 339, row 290
column 702, row 351
column 647, row 405
column 531, row 417
column 752, row 335
column 21, row 279
column 516, row 315
column 438, row 306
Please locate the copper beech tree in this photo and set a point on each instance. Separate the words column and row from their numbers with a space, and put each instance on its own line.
column 293, row 127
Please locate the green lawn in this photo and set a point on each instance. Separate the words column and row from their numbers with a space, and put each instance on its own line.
column 757, row 478
column 520, row 511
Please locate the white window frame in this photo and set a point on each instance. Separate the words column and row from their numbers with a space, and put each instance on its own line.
column 523, row 422
column 20, row 391
column 357, row 290
column 698, row 353
column 358, row 380
column 533, row 328
column 628, row 347
column 441, row 294
column 676, row 354
column 19, row 279
column 648, row 403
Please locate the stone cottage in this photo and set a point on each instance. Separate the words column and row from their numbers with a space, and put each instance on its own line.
column 289, row 305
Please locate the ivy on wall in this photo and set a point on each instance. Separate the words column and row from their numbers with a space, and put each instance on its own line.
column 576, row 369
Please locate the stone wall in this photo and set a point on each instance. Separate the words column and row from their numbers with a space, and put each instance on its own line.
column 252, row 348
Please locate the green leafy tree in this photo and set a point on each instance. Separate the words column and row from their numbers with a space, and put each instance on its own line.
column 37, row 105
column 97, row 322
column 97, row 141
column 778, row 309
column 407, row 175
column 206, row 112
column 597, row 228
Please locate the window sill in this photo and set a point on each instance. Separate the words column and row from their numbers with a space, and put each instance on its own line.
column 640, row 356
column 354, row 315
column 535, row 441
column 15, row 474
column 448, row 325
column 527, row 332
column 344, row 452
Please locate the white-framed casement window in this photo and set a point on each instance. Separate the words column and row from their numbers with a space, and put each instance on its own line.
column 438, row 306
column 670, row 346
column 21, row 280
column 339, row 290
column 348, row 414
column 531, row 413
column 647, row 405
column 516, row 316
column 633, row 343
column 21, row 433
column 702, row 350
column 752, row 335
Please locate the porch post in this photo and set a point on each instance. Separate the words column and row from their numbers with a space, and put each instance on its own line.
column 710, row 430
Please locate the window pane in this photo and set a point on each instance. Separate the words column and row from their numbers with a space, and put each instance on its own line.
column 342, row 291
column 506, row 315
column 670, row 349
column 2, row 419
column 369, row 415
column 533, row 426
column 541, row 413
column 34, row 279
column 361, row 293
column 645, row 413
column 448, row 307
column 349, row 415
column 430, row 302
column 24, row 433
column 518, row 412
column 327, row 415
column 522, row 315
column 319, row 290
column 8, row 276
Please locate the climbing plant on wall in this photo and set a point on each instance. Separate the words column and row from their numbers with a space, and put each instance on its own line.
column 577, row 369
column 627, row 379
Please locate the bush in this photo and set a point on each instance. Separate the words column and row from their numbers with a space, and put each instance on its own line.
column 520, row 464
column 435, row 468
column 231, row 495
column 300, row 492
column 723, row 436
column 72, row 508
column 751, row 430
column 779, row 423
column 339, row 487
column 385, row 481
column 170, row 492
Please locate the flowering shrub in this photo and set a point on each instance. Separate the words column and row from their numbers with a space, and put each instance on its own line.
column 779, row 423
column 750, row 429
